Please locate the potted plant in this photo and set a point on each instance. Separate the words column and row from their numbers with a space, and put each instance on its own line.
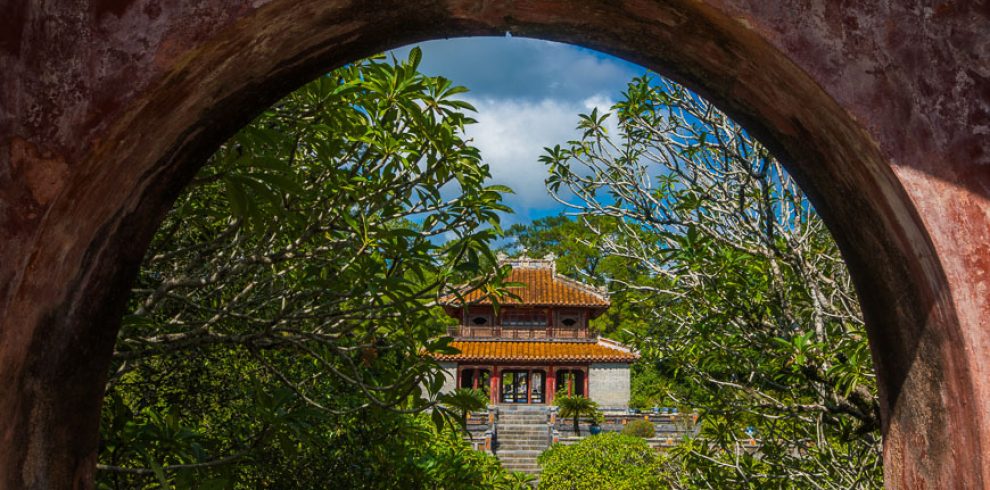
column 597, row 419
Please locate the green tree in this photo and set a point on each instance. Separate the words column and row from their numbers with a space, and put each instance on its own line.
column 747, row 308
column 280, row 319
column 608, row 460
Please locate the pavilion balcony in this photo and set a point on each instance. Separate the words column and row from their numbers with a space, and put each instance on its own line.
column 515, row 332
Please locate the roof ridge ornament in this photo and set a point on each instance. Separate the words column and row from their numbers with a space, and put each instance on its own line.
column 525, row 262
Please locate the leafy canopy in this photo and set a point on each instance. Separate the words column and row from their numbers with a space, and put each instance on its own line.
column 281, row 317
column 737, row 298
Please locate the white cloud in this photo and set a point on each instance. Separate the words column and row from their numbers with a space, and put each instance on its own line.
column 528, row 94
column 598, row 101
column 511, row 134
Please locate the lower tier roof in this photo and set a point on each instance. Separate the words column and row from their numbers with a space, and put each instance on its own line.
column 602, row 350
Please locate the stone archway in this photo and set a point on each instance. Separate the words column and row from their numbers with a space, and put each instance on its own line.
column 881, row 108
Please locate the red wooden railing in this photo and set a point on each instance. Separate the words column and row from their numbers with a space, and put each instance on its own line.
column 515, row 332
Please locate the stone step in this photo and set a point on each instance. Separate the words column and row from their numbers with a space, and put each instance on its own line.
column 520, row 456
column 524, row 420
column 538, row 441
column 521, row 436
column 524, row 447
column 520, row 460
column 517, row 459
column 524, row 434
column 542, row 444
column 519, row 453
column 522, row 427
column 542, row 441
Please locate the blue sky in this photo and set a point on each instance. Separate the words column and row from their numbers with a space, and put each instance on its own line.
column 528, row 94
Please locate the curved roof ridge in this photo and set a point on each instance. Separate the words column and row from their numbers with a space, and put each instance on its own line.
column 591, row 288
column 615, row 344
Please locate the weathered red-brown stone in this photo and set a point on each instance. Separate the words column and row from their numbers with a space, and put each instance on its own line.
column 881, row 108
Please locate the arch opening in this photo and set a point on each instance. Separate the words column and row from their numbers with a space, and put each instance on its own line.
column 72, row 259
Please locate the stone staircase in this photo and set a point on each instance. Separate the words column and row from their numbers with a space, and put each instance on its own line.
column 521, row 435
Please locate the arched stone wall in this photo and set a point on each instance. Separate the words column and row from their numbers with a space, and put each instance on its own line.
column 880, row 108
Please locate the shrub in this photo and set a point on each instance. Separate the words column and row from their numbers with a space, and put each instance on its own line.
column 610, row 460
column 639, row 428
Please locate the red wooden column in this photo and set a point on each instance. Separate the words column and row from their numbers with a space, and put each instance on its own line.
column 495, row 385
column 549, row 322
column 586, row 373
column 551, row 384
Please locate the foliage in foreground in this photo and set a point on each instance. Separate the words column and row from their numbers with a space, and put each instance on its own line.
column 277, row 328
column 735, row 294
column 608, row 460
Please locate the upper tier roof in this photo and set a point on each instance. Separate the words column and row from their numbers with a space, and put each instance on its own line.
column 542, row 287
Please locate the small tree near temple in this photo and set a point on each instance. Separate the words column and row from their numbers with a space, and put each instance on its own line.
column 575, row 407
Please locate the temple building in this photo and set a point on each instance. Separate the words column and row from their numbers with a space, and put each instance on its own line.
column 539, row 344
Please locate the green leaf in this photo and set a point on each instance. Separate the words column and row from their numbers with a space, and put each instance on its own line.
column 159, row 472
column 415, row 56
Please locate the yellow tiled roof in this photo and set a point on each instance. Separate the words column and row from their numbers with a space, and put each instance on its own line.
column 542, row 286
column 604, row 350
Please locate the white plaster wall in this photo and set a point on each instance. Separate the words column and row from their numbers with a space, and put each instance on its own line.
column 608, row 384
column 450, row 376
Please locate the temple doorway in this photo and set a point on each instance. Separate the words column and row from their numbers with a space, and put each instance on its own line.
column 477, row 379
column 523, row 386
column 570, row 382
